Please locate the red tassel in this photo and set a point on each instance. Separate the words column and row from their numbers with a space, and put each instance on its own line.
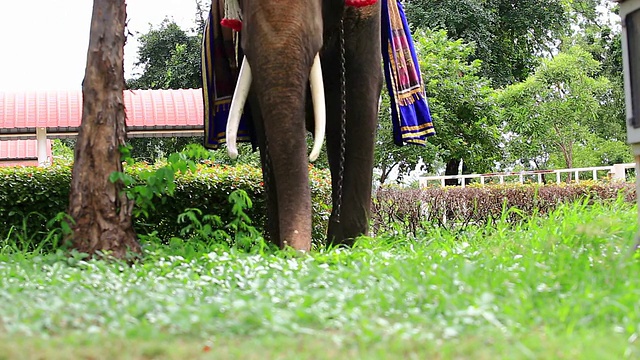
column 234, row 24
column 232, row 15
column 360, row 3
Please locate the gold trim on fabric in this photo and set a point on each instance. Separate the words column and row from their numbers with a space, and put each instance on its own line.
column 418, row 127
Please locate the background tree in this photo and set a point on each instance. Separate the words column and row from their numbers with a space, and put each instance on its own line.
column 462, row 108
column 508, row 34
column 601, row 37
column 168, row 58
column 556, row 110
column 461, row 101
column 100, row 210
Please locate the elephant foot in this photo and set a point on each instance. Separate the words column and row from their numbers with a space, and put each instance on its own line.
column 336, row 235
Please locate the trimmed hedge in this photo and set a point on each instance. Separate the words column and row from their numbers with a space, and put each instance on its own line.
column 456, row 206
column 39, row 193
column 44, row 192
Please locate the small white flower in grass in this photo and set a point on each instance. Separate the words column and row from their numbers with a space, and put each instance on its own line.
column 444, row 253
column 293, row 264
column 543, row 288
column 449, row 333
column 460, row 248
column 618, row 329
column 487, row 298
column 517, row 257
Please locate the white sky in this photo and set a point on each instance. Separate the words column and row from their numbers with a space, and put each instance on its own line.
column 43, row 43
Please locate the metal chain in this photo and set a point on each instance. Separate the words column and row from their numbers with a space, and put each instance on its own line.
column 343, row 122
column 266, row 175
column 267, row 166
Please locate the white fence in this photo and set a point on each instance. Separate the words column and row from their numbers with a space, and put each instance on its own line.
column 613, row 172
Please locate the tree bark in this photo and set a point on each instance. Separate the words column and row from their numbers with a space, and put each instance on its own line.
column 386, row 171
column 101, row 213
column 452, row 168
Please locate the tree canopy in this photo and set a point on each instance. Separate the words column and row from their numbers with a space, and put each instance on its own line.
column 169, row 58
column 555, row 111
column 508, row 34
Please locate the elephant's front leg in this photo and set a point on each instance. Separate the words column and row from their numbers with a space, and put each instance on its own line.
column 363, row 85
column 281, row 103
column 288, row 169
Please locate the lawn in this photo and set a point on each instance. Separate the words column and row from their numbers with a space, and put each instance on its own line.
column 557, row 287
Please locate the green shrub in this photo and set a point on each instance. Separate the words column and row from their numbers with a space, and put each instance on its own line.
column 45, row 191
column 32, row 190
column 38, row 194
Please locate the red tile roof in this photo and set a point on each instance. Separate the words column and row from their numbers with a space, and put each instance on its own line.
column 21, row 152
column 61, row 112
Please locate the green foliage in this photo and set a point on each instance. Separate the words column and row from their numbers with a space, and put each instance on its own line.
column 245, row 234
column 603, row 41
column 507, row 34
column 32, row 190
column 25, row 238
column 595, row 150
column 62, row 151
column 169, row 58
column 202, row 228
column 461, row 101
column 560, row 286
column 209, row 229
column 555, row 109
column 207, row 186
column 462, row 108
column 159, row 181
column 153, row 149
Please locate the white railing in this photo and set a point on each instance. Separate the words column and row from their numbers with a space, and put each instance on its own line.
column 614, row 172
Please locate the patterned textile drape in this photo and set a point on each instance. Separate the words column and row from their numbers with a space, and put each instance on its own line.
column 219, row 77
column 410, row 112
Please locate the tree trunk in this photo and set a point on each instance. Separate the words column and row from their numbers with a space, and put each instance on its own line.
column 102, row 215
column 453, row 166
column 385, row 172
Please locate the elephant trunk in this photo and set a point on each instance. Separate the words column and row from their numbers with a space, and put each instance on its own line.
column 242, row 91
column 280, row 87
column 281, row 42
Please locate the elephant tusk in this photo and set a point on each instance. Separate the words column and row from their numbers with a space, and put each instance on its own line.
column 319, row 107
column 237, row 107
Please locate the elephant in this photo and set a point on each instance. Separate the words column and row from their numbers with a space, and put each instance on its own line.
column 336, row 46
column 312, row 62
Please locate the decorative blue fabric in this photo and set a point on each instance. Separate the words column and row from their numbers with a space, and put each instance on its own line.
column 409, row 108
column 219, row 77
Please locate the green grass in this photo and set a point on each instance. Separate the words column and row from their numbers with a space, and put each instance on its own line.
column 562, row 287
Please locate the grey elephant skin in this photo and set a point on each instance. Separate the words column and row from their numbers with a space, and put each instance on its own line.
column 280, row 40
